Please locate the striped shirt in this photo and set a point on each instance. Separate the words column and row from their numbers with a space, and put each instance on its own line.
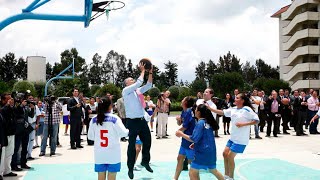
column 56, row 110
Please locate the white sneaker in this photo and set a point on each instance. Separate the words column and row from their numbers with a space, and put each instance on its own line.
column 227, row 177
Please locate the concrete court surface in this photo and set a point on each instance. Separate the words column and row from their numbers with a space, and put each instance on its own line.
column 286, row 157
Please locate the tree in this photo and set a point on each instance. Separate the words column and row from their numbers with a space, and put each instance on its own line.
column 201, row 71
column 20, row 69
column 69, row 56
column 210, row 70
column 49, row 71
column 95, row 70
column 268, row 85
column 110, row 88
column 265, row 70
column 198, row 85
column 171, row 73
column 4, row 87
column 39, row 87
column 229, row 63
column 122, row 72
column 7, row 65
column 23, row 86
column 227, row 82
column 249, row 72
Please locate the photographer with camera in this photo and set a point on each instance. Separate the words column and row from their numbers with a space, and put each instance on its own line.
column 32, row 121
column 22, row 110
column 162, row 108
column 51, row 124
column 9, row 130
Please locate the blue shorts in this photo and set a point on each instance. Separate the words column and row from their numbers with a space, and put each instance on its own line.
column 107, row 167
column 139, row 142
column 66, row 120
column 205, row 167
column 237, row 148
column 187, row 152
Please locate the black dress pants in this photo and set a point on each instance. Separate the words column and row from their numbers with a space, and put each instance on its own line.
column 75, row 131
column 23, row 140
column 276, row 122
column 138, row 126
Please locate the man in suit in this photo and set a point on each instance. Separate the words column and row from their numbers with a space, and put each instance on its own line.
column 75, row 106
column 274, row 109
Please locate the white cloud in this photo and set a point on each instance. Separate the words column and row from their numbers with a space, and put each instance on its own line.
column 184, row 32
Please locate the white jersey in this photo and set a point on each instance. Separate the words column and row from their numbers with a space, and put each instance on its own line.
column 210, row 103
column 254, row 105
column 245, row 114
column 107, row 139
column 65, row 111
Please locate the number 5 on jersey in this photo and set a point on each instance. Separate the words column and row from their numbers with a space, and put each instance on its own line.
column 104, row 138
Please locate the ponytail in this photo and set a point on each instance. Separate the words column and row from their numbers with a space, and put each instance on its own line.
column 103, row 107
column 206, row 113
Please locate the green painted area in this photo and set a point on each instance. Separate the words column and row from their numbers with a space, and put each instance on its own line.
column 246, row 169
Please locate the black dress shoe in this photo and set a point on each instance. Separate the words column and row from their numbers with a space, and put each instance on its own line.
column 130, row 174
column 275, row 135
column 42, row 154
column 148, row 168
column 267, row 135
column 25, row 166
column 10, row 175
column 1, row 178
column 16, row 168
column 30, row 158
column 79, row 146
column 299, row 134
column 73, row 147
column 317, row 132
column 52, row 153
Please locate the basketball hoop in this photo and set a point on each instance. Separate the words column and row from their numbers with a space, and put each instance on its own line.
column 105, row 7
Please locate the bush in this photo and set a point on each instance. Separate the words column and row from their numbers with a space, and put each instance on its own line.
column 94, row 89
column 183, row 92
column 23, row 86
column 176, row 106
column 39, row 86
column 270, row 84
column 154, row 92
column 110, row 88
column 174, row 92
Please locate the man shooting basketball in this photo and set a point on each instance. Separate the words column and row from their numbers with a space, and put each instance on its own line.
column 137, row 125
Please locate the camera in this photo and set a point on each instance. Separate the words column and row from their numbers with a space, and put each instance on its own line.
column 18, row 97
column 249, row 94
column 49, row 99
column 160, row 96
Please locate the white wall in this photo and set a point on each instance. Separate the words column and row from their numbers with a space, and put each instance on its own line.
column 36, row 68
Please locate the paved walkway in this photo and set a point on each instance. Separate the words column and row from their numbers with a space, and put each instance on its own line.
column 285, row 157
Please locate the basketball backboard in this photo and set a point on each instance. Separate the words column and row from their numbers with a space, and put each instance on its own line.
column 99, row 8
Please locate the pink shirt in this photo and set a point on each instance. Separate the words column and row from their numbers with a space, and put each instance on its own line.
column 274, row 106
column 312, row 104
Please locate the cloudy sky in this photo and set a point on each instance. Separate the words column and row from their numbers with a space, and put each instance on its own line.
column 183, row 31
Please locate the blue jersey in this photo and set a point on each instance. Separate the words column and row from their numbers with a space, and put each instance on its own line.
column 189, row 123
column 204, row 144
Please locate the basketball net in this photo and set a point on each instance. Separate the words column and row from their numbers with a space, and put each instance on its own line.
column 107, row 13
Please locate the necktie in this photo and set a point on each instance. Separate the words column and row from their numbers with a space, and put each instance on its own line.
column 141, row 98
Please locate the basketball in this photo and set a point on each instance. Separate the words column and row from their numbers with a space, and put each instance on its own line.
column 285, row 101
column 147, row 63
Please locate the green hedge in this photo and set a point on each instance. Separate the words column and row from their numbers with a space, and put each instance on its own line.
column 176, row 106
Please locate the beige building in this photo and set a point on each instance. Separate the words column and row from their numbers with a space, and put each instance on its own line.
column 299, row 42
column 36, row 68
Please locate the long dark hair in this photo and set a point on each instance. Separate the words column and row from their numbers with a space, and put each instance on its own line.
column 246, row 100
column 103, row 107
column 207, row 115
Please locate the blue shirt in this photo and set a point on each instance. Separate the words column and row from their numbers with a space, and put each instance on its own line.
column 131, row 100
column 204, row 144
column 188, row 122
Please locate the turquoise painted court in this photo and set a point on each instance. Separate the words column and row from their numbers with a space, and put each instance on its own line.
column 246, row 169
